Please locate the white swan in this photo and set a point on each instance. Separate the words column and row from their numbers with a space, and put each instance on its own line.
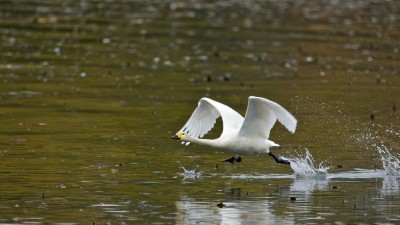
column 242, row 136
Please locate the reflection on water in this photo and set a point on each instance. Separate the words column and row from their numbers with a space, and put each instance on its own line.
column 302, row 190
column 307, row 185
column 391, row 186
column 257, row 211
column 311, row 183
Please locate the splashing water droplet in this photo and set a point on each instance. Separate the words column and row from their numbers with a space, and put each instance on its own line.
column 390, row 162
column 305, row 166
column 189, row 174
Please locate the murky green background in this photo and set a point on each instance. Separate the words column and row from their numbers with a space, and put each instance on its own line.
column 91, row 91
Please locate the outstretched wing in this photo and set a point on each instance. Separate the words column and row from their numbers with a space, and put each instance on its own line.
column 261, row 116
column 206, row 114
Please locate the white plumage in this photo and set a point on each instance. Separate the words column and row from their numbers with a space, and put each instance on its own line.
column 242, row 136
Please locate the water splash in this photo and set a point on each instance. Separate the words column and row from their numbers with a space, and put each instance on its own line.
column 383, row 140
column 190, row 174
column 305, row 166
column 390, row 162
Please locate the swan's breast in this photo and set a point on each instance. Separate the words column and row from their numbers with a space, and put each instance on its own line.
column 246, row 146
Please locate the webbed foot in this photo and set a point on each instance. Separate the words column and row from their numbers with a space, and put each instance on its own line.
column 233, row 160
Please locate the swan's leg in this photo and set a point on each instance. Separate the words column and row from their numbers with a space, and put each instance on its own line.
column 233, row 159
column 279, row 159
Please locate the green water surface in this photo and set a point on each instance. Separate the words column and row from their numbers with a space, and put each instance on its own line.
column 91, row 91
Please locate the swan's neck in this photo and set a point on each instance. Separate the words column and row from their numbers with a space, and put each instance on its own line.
column 208, row 142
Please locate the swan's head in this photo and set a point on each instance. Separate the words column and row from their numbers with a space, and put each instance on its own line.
column 181, row 136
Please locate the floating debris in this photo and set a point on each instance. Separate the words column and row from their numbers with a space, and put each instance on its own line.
column 372, row 116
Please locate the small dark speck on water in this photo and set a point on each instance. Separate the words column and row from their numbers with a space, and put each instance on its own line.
column 292, row 199
column 216, row 52
column 372, row 116
column 226, row 77
column 220, row 205
column 334, row 187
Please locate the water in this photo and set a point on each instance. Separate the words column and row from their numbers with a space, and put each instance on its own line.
column 91, row 91
column 306, row 166
column 390, row 162
column 384, row 141
column 190, row 174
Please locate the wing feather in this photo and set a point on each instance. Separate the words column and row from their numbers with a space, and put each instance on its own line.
column 205, row 116
column 261, row 116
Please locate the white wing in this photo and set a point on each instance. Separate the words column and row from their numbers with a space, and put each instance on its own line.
column 206, row 114
column 261, row 116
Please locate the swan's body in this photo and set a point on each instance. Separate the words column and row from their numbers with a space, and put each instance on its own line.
column 242, row 136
